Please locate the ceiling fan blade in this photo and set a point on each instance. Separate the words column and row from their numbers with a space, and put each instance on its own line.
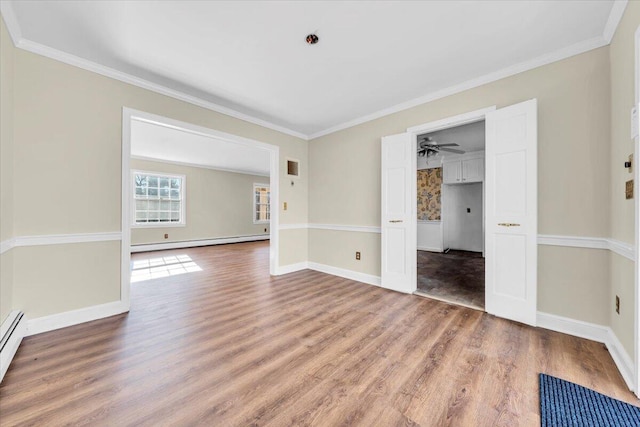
column 425, row 144
column 451, row 150
column 448, row 145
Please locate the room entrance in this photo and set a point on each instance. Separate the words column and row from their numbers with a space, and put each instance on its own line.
column 185, row 186
column 450, row 215
column 510, row 215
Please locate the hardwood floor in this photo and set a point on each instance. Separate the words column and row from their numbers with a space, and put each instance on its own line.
column 457, row 276
column 230, row 345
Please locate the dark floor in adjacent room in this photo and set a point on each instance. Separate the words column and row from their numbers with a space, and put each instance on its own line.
column 457, row 276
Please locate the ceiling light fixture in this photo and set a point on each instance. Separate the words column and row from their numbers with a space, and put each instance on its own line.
column 312, row 39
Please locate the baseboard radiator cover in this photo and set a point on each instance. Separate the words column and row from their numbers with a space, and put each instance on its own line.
column 12, row 331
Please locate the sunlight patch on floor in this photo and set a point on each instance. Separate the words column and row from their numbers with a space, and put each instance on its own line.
column 155, row 268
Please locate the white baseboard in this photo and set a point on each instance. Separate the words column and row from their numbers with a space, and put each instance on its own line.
column 335, row 271
column 290, row 268
column 347, row 274
column 430, row 249
column 74, row 317
column 591, row 331
column 18, row 323
column 196, row 243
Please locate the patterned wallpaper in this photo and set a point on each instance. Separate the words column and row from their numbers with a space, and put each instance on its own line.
column 429, row 191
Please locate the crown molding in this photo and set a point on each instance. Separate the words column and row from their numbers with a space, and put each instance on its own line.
column 21, row 43
column 615, row 16
column 549, row 58
column 613, row 21
column 194, row 165
column 11, row 22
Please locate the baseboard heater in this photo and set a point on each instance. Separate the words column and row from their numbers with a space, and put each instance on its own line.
column 12, row 331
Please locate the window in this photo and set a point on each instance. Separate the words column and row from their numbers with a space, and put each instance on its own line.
column 261, row 203
column 158, row 199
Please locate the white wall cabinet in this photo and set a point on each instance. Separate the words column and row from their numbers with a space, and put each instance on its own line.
column 463, row 171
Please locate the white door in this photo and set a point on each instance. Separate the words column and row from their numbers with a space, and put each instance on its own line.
column 511, row 212
column 399, row 221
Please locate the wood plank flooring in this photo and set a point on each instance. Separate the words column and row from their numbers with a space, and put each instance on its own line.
column 232, row 346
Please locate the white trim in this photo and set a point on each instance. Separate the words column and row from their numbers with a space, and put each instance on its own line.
column 615, row 16
column 334, row 271
column 429, row 249
column 355, row 228
column 621, row 248
column 7, row 245
column 549, row 58
column 194, row 165
column 74, row 317
column 573, row 241
column 196, row 243
column 58, row 239
column 459, row 120
column 347, row 274
column 636, row 204
column 11, row 346
column 567, row 52
column 10, row 20
column 125, row 216
column 16, row 35
column 591, row 331
column 286, row 269
column 293, row 226
column 253, row 203
column 183, row 200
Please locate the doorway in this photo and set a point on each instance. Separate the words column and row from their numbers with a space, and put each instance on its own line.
column 450, row 215
column 156, row 153
column 510, row 214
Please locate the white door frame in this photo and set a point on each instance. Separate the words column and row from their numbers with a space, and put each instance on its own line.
column 449, row 122
column 129, row 114
column 636, row 175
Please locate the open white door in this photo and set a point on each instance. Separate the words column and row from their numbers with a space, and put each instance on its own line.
column 399, row 234
column 511, row 212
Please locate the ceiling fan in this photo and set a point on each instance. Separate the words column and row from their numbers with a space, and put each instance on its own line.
column 428, row 147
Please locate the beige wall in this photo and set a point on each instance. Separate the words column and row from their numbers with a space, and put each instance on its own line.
column 622, row 61
column 58, row 278
column 6, row 167
column 61, row 153
column 218, row 204
column 67, row 163
column 573, row 112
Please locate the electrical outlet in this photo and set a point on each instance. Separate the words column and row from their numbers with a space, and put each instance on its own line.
column 166, row 236
column 358, row 256
column 617, row 304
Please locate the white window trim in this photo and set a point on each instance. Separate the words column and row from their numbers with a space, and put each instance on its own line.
column 183, row 205
column 253, row 203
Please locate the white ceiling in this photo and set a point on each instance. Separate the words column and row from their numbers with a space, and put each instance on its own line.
column 469, row 137
column 373, row 56
column 157, row 142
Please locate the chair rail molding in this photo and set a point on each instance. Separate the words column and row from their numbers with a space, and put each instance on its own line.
column 59, row 239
